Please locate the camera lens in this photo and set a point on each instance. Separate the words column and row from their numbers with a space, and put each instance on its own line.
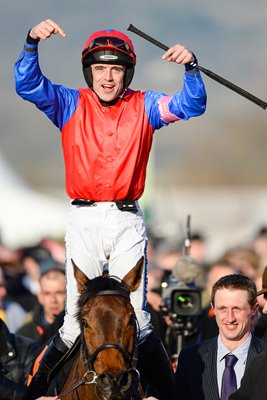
column 186, row 302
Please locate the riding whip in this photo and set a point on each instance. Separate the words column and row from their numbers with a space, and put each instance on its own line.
column 207, row 72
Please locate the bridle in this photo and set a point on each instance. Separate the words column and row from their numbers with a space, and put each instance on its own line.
column 131, row 360
column 90, row 376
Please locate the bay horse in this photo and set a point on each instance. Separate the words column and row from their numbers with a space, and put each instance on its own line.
column 105, row 367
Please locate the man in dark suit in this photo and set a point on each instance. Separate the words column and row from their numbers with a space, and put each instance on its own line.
column 199, row 374
column 254, row 383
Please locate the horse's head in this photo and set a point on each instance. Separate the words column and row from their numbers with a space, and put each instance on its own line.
column 108, row 329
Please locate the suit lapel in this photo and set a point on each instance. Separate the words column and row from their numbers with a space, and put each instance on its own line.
column 208, row 352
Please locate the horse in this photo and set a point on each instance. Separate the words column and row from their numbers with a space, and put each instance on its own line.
column 105, row 366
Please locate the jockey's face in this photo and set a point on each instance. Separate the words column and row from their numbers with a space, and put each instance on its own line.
column 108, row 80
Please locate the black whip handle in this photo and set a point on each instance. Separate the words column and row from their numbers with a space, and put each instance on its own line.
column 205, row 71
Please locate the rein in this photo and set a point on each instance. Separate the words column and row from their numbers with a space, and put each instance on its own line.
column 82, row 381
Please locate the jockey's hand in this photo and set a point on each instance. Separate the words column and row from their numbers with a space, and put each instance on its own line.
column 179, row 54
column 46, row 29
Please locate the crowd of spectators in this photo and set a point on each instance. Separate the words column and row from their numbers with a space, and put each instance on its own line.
column 33, row 290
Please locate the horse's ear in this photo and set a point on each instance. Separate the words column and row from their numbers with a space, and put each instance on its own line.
column 80, row 277
column 133, row 278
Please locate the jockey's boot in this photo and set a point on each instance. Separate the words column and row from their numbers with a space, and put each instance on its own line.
column 41, row 380
column 157, row 367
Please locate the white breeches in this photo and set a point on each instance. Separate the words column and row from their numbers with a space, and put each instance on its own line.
column 100, row 235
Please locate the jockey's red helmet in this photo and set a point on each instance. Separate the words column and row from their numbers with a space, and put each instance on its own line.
column 108, row 47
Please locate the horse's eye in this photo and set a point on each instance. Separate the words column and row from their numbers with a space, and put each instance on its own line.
column 84, row 323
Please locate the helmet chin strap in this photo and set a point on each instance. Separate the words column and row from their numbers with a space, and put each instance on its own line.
column 112, row 102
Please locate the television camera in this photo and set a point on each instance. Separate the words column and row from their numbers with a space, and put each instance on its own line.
column 181, row 299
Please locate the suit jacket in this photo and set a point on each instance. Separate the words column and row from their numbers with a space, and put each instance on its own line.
column 254, row 382
column 196, row 374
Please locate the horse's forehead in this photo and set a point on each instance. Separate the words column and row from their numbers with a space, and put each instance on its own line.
column 113, row 302
column 119, row 305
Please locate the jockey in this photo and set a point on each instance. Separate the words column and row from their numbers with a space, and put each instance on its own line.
column 107, row 132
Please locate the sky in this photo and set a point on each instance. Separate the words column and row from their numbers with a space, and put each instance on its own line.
column 226, row 146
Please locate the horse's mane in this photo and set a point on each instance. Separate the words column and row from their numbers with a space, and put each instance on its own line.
column 98, row 284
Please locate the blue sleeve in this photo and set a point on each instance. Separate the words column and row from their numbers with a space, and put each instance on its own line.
column 56, row 101
column 189, row 102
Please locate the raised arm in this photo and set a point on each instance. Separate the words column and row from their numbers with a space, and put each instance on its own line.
column 33, row 86
column 187, row 103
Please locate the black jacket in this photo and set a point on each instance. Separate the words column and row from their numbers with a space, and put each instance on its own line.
column 34, row 326
column 254, row 382
column 17, row 354
column 37, row 330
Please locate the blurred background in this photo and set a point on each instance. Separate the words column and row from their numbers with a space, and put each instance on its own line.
column 212, row 167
